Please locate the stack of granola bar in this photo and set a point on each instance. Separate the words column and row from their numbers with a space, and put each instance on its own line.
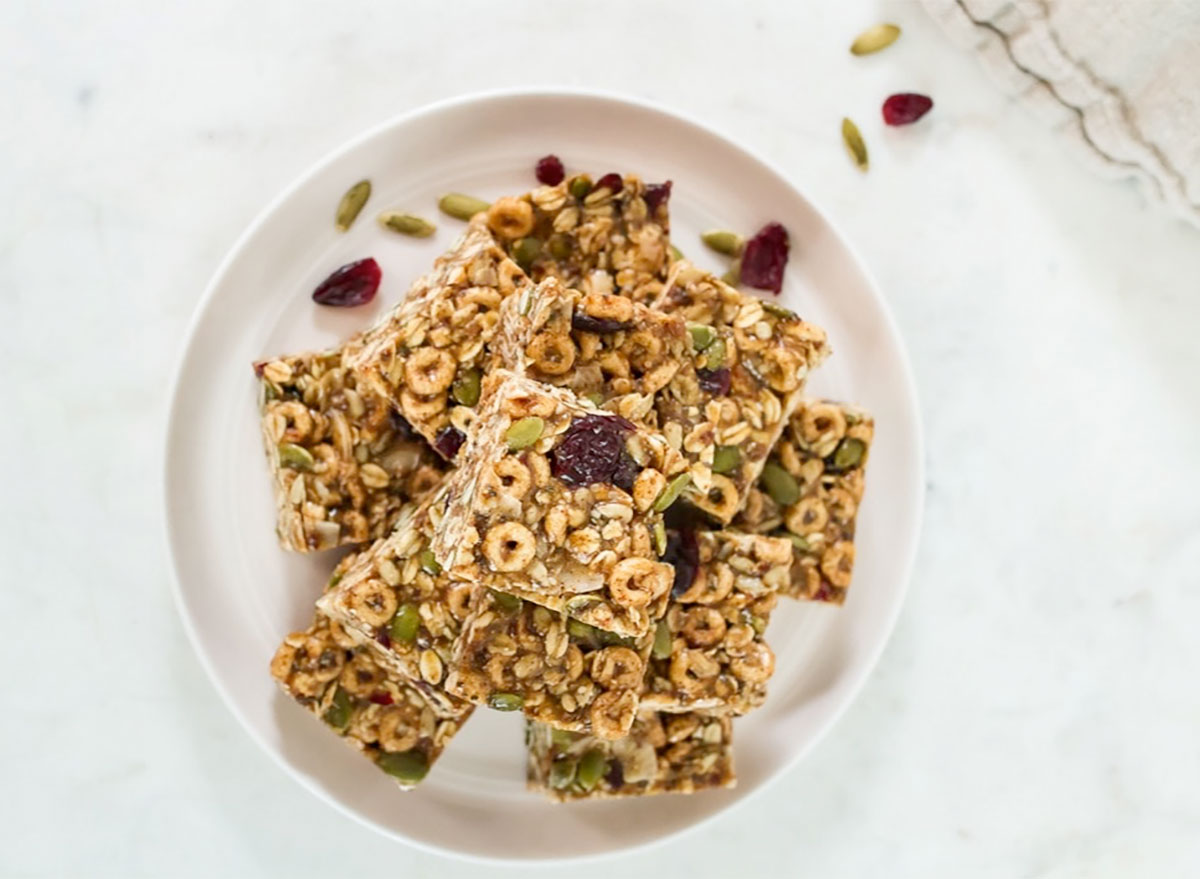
column 577, row 475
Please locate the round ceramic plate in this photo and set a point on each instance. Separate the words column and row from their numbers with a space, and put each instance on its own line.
column 240, row 594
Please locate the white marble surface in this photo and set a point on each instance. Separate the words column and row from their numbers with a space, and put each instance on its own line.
column 1036, row 712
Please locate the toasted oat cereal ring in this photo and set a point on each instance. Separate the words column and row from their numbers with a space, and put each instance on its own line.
column 807, row 517
column 783, row 369
column 373, row 602
column 637, row 582
column 510, row 477
column 551, row 353
column 396, row 730
column 703, row 626
column 612, row 713
column 510, row 217
column 616, row 668
column 712, row 583
column 282, row 662
column 822, row 423
column 756, row 665
column 837, row 563
column 429, row 371
column 361, row 676
column 608, row 307
column 298, row 418
column 691, row 669
column 721, row 499
column 418, row 409
column 841, row 505
column 509, row 546
column 644, row 350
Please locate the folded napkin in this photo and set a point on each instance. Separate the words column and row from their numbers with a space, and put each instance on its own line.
column 1121, row 77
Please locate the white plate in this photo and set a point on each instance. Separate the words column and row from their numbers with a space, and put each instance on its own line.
column 239, row 593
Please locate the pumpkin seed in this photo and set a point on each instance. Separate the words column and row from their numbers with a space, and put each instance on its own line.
column 562, row 772
column 660, row 537
column 560, row 245
column 581, row 631
column 733, row 277
column 405, row 624
column 525, row 251
column 855, row 145
column 798, row 542
column 506, row 701
column 461, row 207
column 724, row 241
column 662, row 641
column 580, row 186
column 780, row 484
column 702, row 336
column 849, row 453
column 779, row 311
column 875, row 39
column 591, row 768
column 407, row 766
column 505, row 602
column 524, row 432
column 465, row 389
column 595, row 398
column 715, row 355
column 671, row 492
column 295, row 457
column 352, row 203
column 337, row 714
column 562, row 737
column 429, row 562
column 725, row 458
column 676, row 254
column 406, row 224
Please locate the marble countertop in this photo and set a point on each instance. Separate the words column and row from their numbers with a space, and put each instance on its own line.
column 1036, row 711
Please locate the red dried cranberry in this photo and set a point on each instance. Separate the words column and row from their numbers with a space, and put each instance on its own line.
column 353, row 284
column 591, row 450
column 615, row 776
column 824, row 591
column 586, row 323
column 906, row 108
column 382, row 697
column 549, row 170
column 627, row 471
column 715, row 381
column 400, row 426
column 448, row 441
column 612, row 182
column 657, row 194
column 684, row 553
column 765, row 257
column 384, row 638
column 259, row 366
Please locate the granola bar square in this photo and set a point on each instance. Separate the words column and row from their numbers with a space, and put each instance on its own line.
column 709, row 651
column 561, row 504
column 342, row 463
column 663, row 753
column 810, row 492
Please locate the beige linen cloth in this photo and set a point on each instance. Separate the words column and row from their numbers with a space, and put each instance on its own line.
column 1121, row 77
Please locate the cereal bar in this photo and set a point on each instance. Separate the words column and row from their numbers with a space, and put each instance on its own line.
column 663, row 753
column 561, row 504
column 709, row 651
column 616, row 352
column 809, row 492
column 425, row 356
column 379, row 713
column 751, row 360
column 342, row 463
column 607, row 236
column 517, row 655
column 394, row 599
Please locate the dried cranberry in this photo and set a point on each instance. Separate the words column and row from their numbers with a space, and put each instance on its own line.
column 627, row 471
column 549, row 170
column 585, row 322
column 715, row 381
column 615, row 776
column 259, row 366
column 824, row 591
column 684, row 553
column 448, row 441
column 612, row 182
column 384, row 638
column 353, row 284
column 657, row 194
column 400, row 426
column 382, row 697
column 765, row 257
column 905, row 108
column 591, row 450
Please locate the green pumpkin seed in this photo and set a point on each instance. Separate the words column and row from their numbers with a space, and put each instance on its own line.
column 581, row 631
column 591, row 769
column 337, row 714
column 660, row 538
column 676, row 254
column 295, row 457
column 595, row 398
column 525, row 251
column 352, row 203
column 406, row 224
column 405, row 624
column 662, row 641
column 562, row 737
column 726, row 458
column 723, row 241
column 671, row 492
column 562, row 772
column 855, row 145
column 429, row 562
column 560, row 245
column 524, row 432
column 779, row 311
column 406, row 766
column 334, row 580
column 580, row 186
column 798, row 542
column 506, row 701
column 780, row 484
column 875, row 39
column 848, row 454
column 715, row 354
column 505, row 602
column 580, row 603
column 733, row 277
column 461, row 207
column 702, row 336
column 465, row 389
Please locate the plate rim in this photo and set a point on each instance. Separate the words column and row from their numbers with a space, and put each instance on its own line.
column 916, row 514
